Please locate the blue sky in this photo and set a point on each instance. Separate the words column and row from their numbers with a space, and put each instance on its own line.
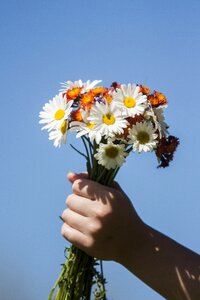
column 44, row 43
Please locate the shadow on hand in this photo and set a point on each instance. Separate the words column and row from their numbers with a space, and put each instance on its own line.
column 98, row 191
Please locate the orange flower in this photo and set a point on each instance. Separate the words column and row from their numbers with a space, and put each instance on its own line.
column 157, row 99
column 98, row 90
column 87, row 99
column 145, row 90
column 76, row 115
column 161, row 97
column 73, row 93
column 153, row 100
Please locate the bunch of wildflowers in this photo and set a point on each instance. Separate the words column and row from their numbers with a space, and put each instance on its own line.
column 116, row 119
column 112, row 122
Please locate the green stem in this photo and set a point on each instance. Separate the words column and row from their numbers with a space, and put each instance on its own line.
column 79, row 152
column 56, row 284
column 88, row 155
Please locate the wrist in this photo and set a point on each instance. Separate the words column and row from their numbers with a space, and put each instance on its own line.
column 134, row 242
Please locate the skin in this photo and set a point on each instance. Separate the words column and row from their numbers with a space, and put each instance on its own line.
column 103, row 222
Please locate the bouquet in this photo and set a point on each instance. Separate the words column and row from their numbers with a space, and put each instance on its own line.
column 112, row 123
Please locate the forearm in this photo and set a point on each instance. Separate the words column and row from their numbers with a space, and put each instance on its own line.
column 166, row 266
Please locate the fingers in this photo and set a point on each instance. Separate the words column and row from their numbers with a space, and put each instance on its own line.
column 74, row 236
column 74, row 220
column 80, row 205
column 79, row 230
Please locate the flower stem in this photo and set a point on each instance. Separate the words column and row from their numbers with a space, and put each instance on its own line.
column 79, row 272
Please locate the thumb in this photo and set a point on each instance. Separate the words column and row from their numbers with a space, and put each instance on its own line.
column 71, row 176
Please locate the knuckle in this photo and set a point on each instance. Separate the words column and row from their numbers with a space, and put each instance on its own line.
column 102, row 212
column 89, row 243
column 95, row 227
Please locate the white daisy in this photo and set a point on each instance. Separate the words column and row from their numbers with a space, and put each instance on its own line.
column 55, row 112
column 161, row 124
column 59, row 134
column 130, row 99
column 143, row 137
column 157, row 114
column 110, row 155
column 107, row 119
column 85, row 127
column 86, row 86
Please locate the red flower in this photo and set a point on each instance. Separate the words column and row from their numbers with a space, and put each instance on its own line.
column 165, row 150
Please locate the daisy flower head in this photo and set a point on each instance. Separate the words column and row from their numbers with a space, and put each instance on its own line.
column 55, row 112
column 110, row 155
column 59, row 134
column 130, row 100
column 143, row 137
column 108, row 120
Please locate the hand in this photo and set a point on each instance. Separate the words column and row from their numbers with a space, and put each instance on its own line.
column 100, row 220
column 103, row 222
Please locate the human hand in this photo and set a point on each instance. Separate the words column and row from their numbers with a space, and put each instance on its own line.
column 100, row 220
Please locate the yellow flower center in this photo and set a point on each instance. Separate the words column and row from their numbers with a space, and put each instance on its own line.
column 63, row 127
column 143, row 137
column 90, row 125
column 108, row 119
column 59, row 114
column 112, row 152
column 129, row 102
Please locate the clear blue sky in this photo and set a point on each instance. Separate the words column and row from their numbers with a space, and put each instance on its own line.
column 43, row 43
